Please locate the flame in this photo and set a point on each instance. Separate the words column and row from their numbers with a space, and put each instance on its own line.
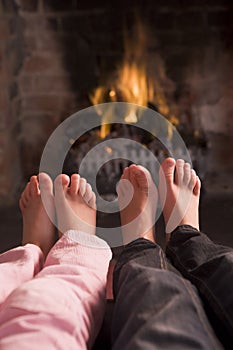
column 131, row 118
column 133, row 84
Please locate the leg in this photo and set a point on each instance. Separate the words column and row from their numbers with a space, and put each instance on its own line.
column 207, row 265
column 179, row 192
column 62, row 308
column 23, row 263
column 155, row 307
column 138, row 198
column 210, row 268
column 37, row 227
column 17, row 266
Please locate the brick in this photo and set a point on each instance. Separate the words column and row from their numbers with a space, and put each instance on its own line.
column 15, row 109
column 4, row 100
column 102, row 4
column 59, row 5
column 168, row 3
column 167, row 38
column 194, row 20
column 2, row 121
column 14, row 24
column 39, row 84
column 185, row 5
column 53, row 84
column 4, row 30
column 25, row 84
column 219, row 3
column 28, row 5
column 75, row 23
column 4, row 76
column 13, row 90
column 30, row 42
column 161, row 20
column 9, row 6
column 41, row 103
column 3, row 142
column 105, row 23
column 14, row 55
column 49, row 42
column 41, row 125
column 220, row 18
column 34, row 24
column 196, row 38
column 42, row 64
column 46, row 103
column 107, row 43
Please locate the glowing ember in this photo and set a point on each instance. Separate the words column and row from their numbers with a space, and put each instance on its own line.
column 108, row 150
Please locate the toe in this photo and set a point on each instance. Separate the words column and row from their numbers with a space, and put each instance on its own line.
column 45, row 183
column 92, row 201
column 141, row 176
column 167, row 171
column 125, row 192
column 22, row 205
column 125, row 174
column 26, row 194
column 82, row 186
column 61, row 184
column 74, row 184
column 132, row 177
column 187, row 173
column 193, row 179
column 88, row 194
column 34, row 186
column 123, row 187
column 197, row 187
column 179, row 173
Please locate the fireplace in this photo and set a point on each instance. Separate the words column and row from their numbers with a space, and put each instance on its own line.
column 59, row 57
column 139, row 79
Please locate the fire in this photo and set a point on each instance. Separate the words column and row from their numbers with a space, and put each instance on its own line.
column 133, row 84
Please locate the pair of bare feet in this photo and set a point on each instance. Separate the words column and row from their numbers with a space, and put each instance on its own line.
column 74, row 204
column 71, row 203
column 178, row 191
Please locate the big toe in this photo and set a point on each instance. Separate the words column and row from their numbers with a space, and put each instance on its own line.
column 167, row 170
column 140, row 176
column 33, row 186
column 45, row 183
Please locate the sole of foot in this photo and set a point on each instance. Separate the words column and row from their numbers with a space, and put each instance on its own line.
column 37, row 226
column 137, row 197
column 75, row 204
column 179, row 192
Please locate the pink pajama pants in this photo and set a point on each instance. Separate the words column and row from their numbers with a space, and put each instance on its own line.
column 58, row 305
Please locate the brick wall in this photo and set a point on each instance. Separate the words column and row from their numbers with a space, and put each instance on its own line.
column 53, row 52
column 11, row 58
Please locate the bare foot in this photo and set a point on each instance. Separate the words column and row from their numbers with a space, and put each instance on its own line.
column 137, row 196
column 179, row 191
column 37, row 227
column 75, row 204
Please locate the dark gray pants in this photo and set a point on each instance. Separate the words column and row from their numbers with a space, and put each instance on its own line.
column 157, row 308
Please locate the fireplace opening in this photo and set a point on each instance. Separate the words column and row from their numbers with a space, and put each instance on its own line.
column 139, row 78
